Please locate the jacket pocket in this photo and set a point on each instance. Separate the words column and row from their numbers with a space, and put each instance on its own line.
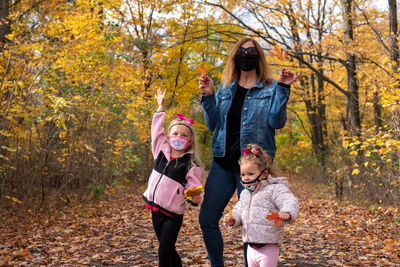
column 169, row 194
column 224, row 102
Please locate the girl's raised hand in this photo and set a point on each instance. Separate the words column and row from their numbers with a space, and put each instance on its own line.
column 160, row 96
column 287, row 77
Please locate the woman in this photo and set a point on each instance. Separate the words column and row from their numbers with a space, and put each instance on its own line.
column 247, row 108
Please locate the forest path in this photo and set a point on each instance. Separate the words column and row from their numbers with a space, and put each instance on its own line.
column 117, row 231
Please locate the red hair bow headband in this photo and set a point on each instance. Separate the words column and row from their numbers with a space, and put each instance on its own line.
column 181, row 117
column 247, row 151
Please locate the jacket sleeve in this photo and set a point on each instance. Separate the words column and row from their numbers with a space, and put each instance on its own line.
column 284, row 199
column 194, row 178
column 211, row 113
column 158, row 138
column 277, row 113
column 237, row 213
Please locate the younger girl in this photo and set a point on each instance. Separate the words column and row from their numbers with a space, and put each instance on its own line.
column 176, row 168
column 263, row 194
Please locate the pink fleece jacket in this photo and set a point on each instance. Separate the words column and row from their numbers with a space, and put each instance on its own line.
column 170, row 178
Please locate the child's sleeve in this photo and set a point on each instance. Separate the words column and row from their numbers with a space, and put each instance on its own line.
column 285, row 200
column 193, row 178
column 237, row 213
column 157, row 133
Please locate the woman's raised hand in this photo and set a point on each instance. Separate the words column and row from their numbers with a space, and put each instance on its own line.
column 206, row 85
column 160, row 96
column 287, row 77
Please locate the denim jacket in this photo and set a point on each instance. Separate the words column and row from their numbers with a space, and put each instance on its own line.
column 264, row 110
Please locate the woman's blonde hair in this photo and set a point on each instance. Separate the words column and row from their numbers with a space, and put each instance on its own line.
column 231, row 72
column 256, row 154
column 196, row 160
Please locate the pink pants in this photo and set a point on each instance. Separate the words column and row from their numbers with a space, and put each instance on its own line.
column 266, row 256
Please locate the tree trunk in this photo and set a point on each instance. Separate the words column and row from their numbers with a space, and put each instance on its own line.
column 316, row 118
column 394, row 56
column 377, row 112
column 4, row 22
column 351, row 65
column 394, row 46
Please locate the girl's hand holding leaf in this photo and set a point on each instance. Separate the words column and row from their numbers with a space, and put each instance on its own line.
column 196, row 199
column 229, row 221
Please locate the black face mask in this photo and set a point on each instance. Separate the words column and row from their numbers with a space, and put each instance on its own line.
column 246, row 62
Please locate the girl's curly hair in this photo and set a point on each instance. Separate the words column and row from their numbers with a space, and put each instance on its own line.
column 255, row 153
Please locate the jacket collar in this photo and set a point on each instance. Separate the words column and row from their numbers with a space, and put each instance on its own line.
column 258, row 84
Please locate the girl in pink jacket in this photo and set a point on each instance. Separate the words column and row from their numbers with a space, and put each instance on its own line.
column 176, row 169
column 264, row 196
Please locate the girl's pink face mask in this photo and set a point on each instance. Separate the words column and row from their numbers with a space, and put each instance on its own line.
column 179, row 143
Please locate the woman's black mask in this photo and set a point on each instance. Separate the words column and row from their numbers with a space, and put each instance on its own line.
column 246, row 62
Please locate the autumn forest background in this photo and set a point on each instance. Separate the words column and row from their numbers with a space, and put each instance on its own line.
column 78, row 77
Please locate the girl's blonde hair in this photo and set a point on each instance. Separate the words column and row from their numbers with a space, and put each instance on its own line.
column 257, row 155
column 196, row 160
column 231, row 72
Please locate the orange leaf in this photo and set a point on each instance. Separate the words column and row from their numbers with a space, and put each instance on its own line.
column 284, row 55
column 202, row 70
column 230, row 213
column 274, row 217
column 278, row 49
column 273, row 53
column 278, row 52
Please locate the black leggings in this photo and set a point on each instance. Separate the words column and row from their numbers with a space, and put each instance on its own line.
column 167, row 230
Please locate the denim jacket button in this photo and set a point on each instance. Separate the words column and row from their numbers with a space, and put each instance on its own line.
column 244, row 123
column 248, row 97
column 245, row 108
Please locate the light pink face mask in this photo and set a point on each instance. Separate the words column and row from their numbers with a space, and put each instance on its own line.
column 178, row 142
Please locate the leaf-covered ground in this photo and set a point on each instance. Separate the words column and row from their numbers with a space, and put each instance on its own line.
column 118, row 232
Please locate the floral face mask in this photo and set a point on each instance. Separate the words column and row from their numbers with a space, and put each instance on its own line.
column 178, row 142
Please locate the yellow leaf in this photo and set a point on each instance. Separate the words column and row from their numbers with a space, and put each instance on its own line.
column 5, row 133
column 194, row 191
column 88, row 147
column 14, row 199
column 355, row 172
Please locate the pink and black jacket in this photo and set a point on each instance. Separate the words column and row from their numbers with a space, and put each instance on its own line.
column 169, row 178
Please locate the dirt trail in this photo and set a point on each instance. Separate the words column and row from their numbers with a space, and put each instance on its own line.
column 118, row 232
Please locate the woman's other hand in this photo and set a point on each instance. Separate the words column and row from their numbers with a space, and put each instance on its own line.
column 287, row 77
column 206, row 85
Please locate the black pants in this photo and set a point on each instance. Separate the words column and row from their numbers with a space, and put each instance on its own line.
column 167, row 230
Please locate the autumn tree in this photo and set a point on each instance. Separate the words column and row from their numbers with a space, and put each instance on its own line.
column 337, row 63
